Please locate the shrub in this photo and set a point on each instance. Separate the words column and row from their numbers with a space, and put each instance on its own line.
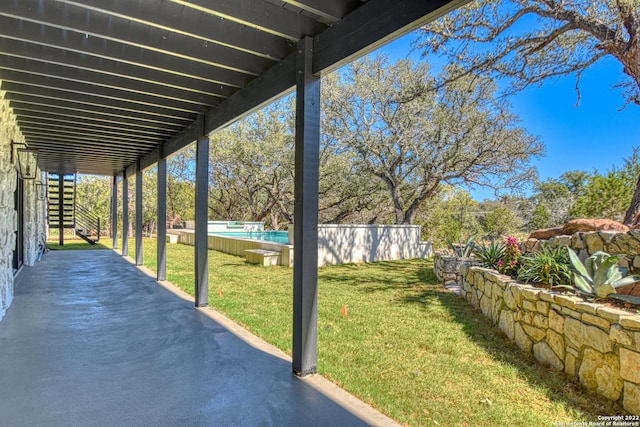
column 509, row 263
column 548, row 267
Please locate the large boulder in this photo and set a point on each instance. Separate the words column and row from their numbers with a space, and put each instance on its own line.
column 633, row 290
column 546, row 233
column 586, row 225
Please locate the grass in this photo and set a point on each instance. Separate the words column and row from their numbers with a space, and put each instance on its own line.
column 390, row 334
column 74, row 244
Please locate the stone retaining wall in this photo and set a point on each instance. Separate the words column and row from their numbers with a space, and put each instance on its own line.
column 447, row 267
column 586, row 244
column 598, row 345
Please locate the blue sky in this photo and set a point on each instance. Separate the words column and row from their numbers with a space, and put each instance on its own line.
column 593, row 135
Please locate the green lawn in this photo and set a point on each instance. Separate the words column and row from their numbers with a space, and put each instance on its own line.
column 406, row 346
column 71, row 244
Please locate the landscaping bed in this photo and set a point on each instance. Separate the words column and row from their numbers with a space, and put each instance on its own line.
column 594, row 343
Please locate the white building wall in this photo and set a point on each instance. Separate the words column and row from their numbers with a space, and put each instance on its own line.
column 34, row 210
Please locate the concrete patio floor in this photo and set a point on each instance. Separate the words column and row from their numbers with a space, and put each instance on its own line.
column 92, row 340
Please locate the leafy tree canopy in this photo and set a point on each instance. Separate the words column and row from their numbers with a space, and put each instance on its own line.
column 413, row 139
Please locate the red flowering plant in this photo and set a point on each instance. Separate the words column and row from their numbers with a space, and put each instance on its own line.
column 508, row 264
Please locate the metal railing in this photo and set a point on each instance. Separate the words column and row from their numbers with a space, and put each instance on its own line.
column 87, row 223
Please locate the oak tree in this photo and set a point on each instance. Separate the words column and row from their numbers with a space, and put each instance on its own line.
column 414, row 139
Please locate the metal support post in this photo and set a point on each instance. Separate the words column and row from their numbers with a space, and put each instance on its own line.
column 114, row 211
column 162, row 219
column 61, row 209
column 200, row 232
column 138, row 215
column 305, row 235
column 125, row 215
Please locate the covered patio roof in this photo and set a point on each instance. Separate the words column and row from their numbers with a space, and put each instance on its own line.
column 98, row 86
column 113, row 87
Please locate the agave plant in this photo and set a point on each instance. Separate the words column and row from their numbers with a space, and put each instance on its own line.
column 463, row 251
column 599, row 276
column 490, row 254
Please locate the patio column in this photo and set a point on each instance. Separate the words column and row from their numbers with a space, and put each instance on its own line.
column 125, row 214
column 305, row 232
column 200, row 232
column 138, row 214
column 60, row 209
column 114, row 211
column 162, row 218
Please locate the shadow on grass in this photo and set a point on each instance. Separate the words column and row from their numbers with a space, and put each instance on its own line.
column 77, row 245
column 557, row 386
column 387, row 275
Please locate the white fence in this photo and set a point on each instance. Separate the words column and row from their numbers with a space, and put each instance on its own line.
column 341, row 244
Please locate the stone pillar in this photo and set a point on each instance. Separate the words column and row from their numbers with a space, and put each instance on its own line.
column 32, row 220
column 9, row 131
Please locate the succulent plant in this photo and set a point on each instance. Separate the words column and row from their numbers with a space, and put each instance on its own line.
column 599, row 276
column 490, row 254
column 463, row 251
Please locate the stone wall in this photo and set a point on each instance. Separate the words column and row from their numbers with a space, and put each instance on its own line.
column 447, row 267
column 586, row 244
column 34, row 220
column 8, row 220
column 34, row 209
column 598, row 345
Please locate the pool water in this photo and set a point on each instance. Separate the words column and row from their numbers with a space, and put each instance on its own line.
column 270, row 236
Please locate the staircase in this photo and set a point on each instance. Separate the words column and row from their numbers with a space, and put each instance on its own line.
column 65, row 213
column 87, row 225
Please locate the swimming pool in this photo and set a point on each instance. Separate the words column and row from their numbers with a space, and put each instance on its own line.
column 269, row 236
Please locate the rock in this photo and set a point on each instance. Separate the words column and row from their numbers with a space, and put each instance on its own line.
column 546, row 233
column 557, row 241
column 593, row 242
column 506, row 323
column 570, row 365
column 536, row 334
column 556, row 321
column 599, row 372
column 629, row 362
column 617, row 335
column 631, row 400
column 578, row 335
column 522, row 340
column 633, row 289
column 585, row 225
column 556, row 343
column 543, row 353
